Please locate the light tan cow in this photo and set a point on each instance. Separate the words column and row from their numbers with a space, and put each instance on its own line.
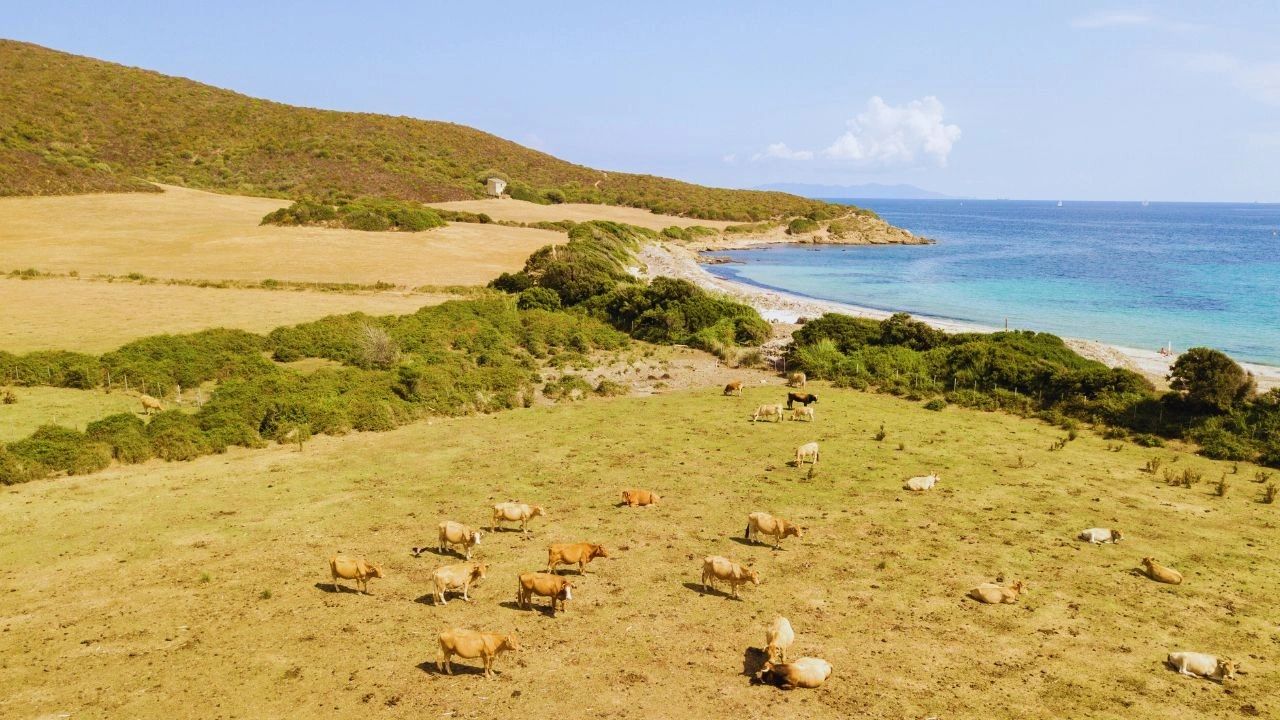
column 149, row 403
column 805, row 672
column 778, row 638
column 763, row 523
column 455, row 533
column 1195, row 664
column 1097, row 536
column 716, row 567
column 559, row 589
column 797, row 379
column 358, row 569
column 1161, row 573
column 922, row 483
column 733, row 388
column 768, row 412
column 993, row 594
column 471, row 644
column 635, row 498
column 459, row 576
column 515, row 512
column 807, row 451
column 573, row 554
column 803, row 413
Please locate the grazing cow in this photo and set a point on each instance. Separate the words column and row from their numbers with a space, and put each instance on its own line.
column 715, row 567
column 778, row 638
column 515, row 512
column 1161, row 573
column 557, row 588
column 471, row 644
column 805, row 672
column 797, row 379
column 454, row 533
column 993, row 594
column 768, row 412
column 573, row 553
column 804, row 399
column 149, row 403
column 802, row 413
column 763, row 523
column 358, row 569
column 733, row 388
column 1194, row 664
column 633, row 498
column 922, row 483
column 1097, row 536
column 458, row 576
column 807, row 451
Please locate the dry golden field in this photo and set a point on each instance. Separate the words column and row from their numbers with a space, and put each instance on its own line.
column 190, row 234
column 97, row 316
column 200, row 589
column 521, row 211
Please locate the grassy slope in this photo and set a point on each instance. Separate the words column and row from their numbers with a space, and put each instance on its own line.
column 117, row 617
column 38, row 406
column 71, row 124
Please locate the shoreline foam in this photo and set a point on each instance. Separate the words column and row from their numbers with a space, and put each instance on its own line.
column 680, row 261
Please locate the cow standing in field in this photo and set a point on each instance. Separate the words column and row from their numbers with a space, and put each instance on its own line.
column 803, row 413
column 763, row 523
column 471, row 644
column 515, row 512
column 778, row 639
column 733, row 388
column 459, row 576
column 768, row 412
column 805, row 399
column 559, row 589
column 358, row 569
column 807, row 451
column 573, row 554
column 455, row 533
column 715, row 567
column 797, row 379
column 149, row 403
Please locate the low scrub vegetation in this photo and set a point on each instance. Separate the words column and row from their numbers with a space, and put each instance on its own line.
column 362, row 214
column 1212, row 402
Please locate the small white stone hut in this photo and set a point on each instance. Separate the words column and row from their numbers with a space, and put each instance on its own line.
column 494, row 186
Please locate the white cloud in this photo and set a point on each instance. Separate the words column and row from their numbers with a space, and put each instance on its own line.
column 889, row 136
column 730, row 158
column 1115, row 18
column 780, row 151
column 1258, row 80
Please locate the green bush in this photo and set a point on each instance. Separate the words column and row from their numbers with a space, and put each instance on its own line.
column 373, row 214
column 538, row 298
column 803, row 226
column 125, row 434
column 936, row 404
column 62, row 450
column 567, row 387
column 15, row 469
column 1147, row 440
column 54, row 368
column 176, row 435
column 609, row 388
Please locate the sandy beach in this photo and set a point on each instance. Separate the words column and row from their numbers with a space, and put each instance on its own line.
column 681, row 261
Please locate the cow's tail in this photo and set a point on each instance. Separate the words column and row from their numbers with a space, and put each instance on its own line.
column 747, row 534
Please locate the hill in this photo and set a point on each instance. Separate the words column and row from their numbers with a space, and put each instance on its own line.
column 877, row 191
column 72, row 124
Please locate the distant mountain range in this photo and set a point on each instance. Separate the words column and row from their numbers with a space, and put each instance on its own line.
column 866, row 190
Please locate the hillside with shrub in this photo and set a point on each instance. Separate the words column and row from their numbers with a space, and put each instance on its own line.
column 72, row 124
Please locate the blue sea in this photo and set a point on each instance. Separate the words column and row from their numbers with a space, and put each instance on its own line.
column 1125, row 273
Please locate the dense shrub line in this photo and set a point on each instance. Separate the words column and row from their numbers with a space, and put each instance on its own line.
column 374, row 214
column 459, row 357
column 1212, row 401
column 590, row 274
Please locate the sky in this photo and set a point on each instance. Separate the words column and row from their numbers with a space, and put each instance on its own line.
column 1024, row 100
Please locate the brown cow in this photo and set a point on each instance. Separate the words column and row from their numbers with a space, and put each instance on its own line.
column 1161, row 573
column 546, row 585
column 803, row 398
column 458, row 576
column 993, row 594
column 149, row 403
column 633, row 498
column 733, row 388
column 763, row 523
column 358, row 569
column 806, row 672
column 455, row 533
column 471, row 644
column 573, row 553
column 715, row 567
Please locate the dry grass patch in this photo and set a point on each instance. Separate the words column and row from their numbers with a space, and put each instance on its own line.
column 521, row 211
column 152, row 591
column 183, row 233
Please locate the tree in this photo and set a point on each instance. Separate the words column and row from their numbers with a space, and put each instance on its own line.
column 1208, row 377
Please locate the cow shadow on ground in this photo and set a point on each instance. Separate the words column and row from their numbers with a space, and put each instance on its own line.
column 748, row 543
column 336, row 588
column 753, row 659
column 449, row 552
column 429, row 667
column 714, row 591
column 535, row 607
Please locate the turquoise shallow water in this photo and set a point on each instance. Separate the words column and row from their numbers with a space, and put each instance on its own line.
column 1123, row 273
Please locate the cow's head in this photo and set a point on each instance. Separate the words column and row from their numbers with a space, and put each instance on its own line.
column 1116, row 535
column 599, row 551
column 566, row 592
column 626, row 496
column 479, row 569
column 1226, row 669
column 475, row 537
column 511, row 642
column 811, row 399
column 1148, row 561
column 752, row 575
column 794, row 530
column 537, row 510
column 1018, row 586
column 375, row 571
